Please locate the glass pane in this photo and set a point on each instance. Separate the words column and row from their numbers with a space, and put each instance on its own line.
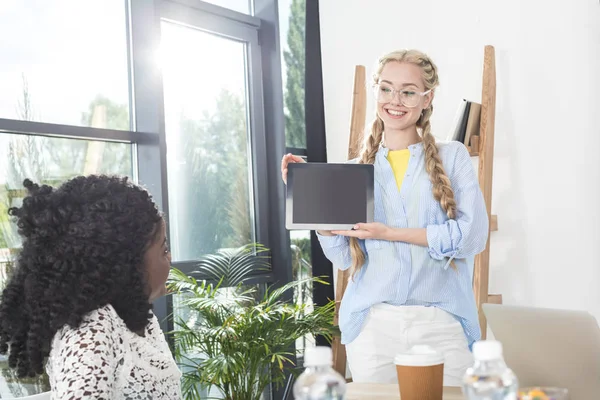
column 60, row 60
column 292, row 17
column 208, row 154
column 302, row 269
column 49, row 161
column 243, row 6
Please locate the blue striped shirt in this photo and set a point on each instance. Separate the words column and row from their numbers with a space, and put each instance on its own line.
column 400, row 273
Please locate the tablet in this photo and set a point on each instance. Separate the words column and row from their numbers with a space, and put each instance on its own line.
column 323, row 196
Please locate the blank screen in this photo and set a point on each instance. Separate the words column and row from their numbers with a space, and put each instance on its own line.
column 330, row 195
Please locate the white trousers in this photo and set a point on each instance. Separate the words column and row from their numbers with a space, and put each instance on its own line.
column 389, row 330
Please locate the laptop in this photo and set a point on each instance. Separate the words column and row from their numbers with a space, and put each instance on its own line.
column 546, row 347
column 323, row 196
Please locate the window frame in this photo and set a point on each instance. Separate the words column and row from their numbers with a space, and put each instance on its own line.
column 245, row 32
column 147, row 119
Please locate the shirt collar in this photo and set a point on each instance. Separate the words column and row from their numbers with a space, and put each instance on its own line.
column 416, row 149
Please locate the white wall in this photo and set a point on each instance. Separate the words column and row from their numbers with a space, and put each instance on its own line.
column 546, row 169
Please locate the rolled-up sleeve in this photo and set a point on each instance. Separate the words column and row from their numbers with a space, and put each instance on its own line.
column 337, row 250
column 467, row 234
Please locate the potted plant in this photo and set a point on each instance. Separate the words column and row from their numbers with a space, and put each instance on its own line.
column 231, row 336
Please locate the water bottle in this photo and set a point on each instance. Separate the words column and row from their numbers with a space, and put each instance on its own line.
column 319, row 381
column 489, row 378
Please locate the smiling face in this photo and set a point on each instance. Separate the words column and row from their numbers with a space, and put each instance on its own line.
column 402, row 76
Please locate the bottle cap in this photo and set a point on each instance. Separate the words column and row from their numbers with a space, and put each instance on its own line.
column 486, row 350
column 318, row 356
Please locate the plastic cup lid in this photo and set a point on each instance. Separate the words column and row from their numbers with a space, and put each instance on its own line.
column 419, row 356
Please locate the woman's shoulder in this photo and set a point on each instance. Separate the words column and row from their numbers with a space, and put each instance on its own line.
column 99, row 335
column 451, row 148
column 105, row 315
column 103, row 322
column 453, row 154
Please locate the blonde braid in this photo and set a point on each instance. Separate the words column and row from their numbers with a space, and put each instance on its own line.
column 367, row 156
column 441, row 185
column 442, row 189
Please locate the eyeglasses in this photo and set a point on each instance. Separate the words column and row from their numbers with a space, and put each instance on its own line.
column 409, row 98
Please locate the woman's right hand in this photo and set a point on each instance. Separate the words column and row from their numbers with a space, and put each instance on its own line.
column 288, row 158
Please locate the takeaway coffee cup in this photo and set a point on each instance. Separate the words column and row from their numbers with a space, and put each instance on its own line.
column 420, row 373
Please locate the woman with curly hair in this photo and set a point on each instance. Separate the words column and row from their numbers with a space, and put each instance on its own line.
column 94, row 257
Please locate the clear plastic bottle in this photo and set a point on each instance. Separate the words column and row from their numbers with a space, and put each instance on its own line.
column 489, row 378
column 319, row 381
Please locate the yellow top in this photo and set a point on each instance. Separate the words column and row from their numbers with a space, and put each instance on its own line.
column 399, row 161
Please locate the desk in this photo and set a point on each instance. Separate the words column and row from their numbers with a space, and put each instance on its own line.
column 389, row 391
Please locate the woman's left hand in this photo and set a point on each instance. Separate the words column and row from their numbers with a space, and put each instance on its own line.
column 371, row 230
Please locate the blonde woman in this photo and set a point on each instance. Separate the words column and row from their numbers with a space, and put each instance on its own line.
column 411, row 282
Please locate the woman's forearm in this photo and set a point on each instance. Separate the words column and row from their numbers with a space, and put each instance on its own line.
column 417, row 236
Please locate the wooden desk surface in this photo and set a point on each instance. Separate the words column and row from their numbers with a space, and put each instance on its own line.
column 383, row 391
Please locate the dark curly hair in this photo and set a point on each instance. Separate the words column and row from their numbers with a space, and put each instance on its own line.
column 83, row 248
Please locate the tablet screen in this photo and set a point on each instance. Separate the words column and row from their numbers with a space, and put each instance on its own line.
column 329, row 196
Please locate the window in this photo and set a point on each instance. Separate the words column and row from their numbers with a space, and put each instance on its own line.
column 302, row 269
column 292, row 17
column 292, row 21
column 61, row 66
column 216, row 139
column 208, row 153
column 100, row 87
column 61, row 61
